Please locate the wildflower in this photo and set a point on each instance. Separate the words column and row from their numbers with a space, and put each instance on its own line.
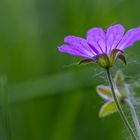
column 122, row 93
column 101, row 47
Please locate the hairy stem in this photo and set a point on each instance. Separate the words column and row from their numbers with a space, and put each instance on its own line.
column 120, row 110
column 134, row 116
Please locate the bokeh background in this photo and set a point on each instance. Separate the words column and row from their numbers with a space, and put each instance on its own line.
column 45, row 95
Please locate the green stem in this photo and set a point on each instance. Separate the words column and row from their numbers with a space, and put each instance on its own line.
column 120, row 110
column 4, row 110
column 134, row 116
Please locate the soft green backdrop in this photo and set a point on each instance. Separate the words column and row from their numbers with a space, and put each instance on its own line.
column 44, row 95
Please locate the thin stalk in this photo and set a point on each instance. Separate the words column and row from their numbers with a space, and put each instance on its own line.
column 134, row 116
column 4, row 110
column 120, row 110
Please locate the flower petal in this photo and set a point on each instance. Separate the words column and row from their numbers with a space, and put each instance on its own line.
column 72, row 50
column 113, row 36
column 129, row 38
column 96, row 38
column 79, row 43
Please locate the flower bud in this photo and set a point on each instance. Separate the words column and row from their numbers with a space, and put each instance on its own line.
column 103, row 61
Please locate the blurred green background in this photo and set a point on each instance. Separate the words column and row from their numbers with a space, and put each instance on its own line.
column 44, row 95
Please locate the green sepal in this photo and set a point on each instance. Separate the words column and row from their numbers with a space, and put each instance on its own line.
column 113, row 55
column 104, row 92
column 83, row 61
column 107, row 109
column 104, row 61
column 89, row 60
column 122, row 57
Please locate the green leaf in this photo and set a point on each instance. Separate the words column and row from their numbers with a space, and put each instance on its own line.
column 108, row 109
column 103, row 61
column 104, row 92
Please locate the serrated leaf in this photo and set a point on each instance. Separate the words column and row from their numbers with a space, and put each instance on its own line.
column 107, row 109
column 103, row 61
column 104, row 92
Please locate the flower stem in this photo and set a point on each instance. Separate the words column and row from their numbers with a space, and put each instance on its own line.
column 120, row 110
column 6, row 133
column 134, row 116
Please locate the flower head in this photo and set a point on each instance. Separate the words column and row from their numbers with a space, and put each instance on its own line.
column 102, row 47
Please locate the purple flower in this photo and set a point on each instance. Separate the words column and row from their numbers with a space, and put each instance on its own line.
column 109, row 44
